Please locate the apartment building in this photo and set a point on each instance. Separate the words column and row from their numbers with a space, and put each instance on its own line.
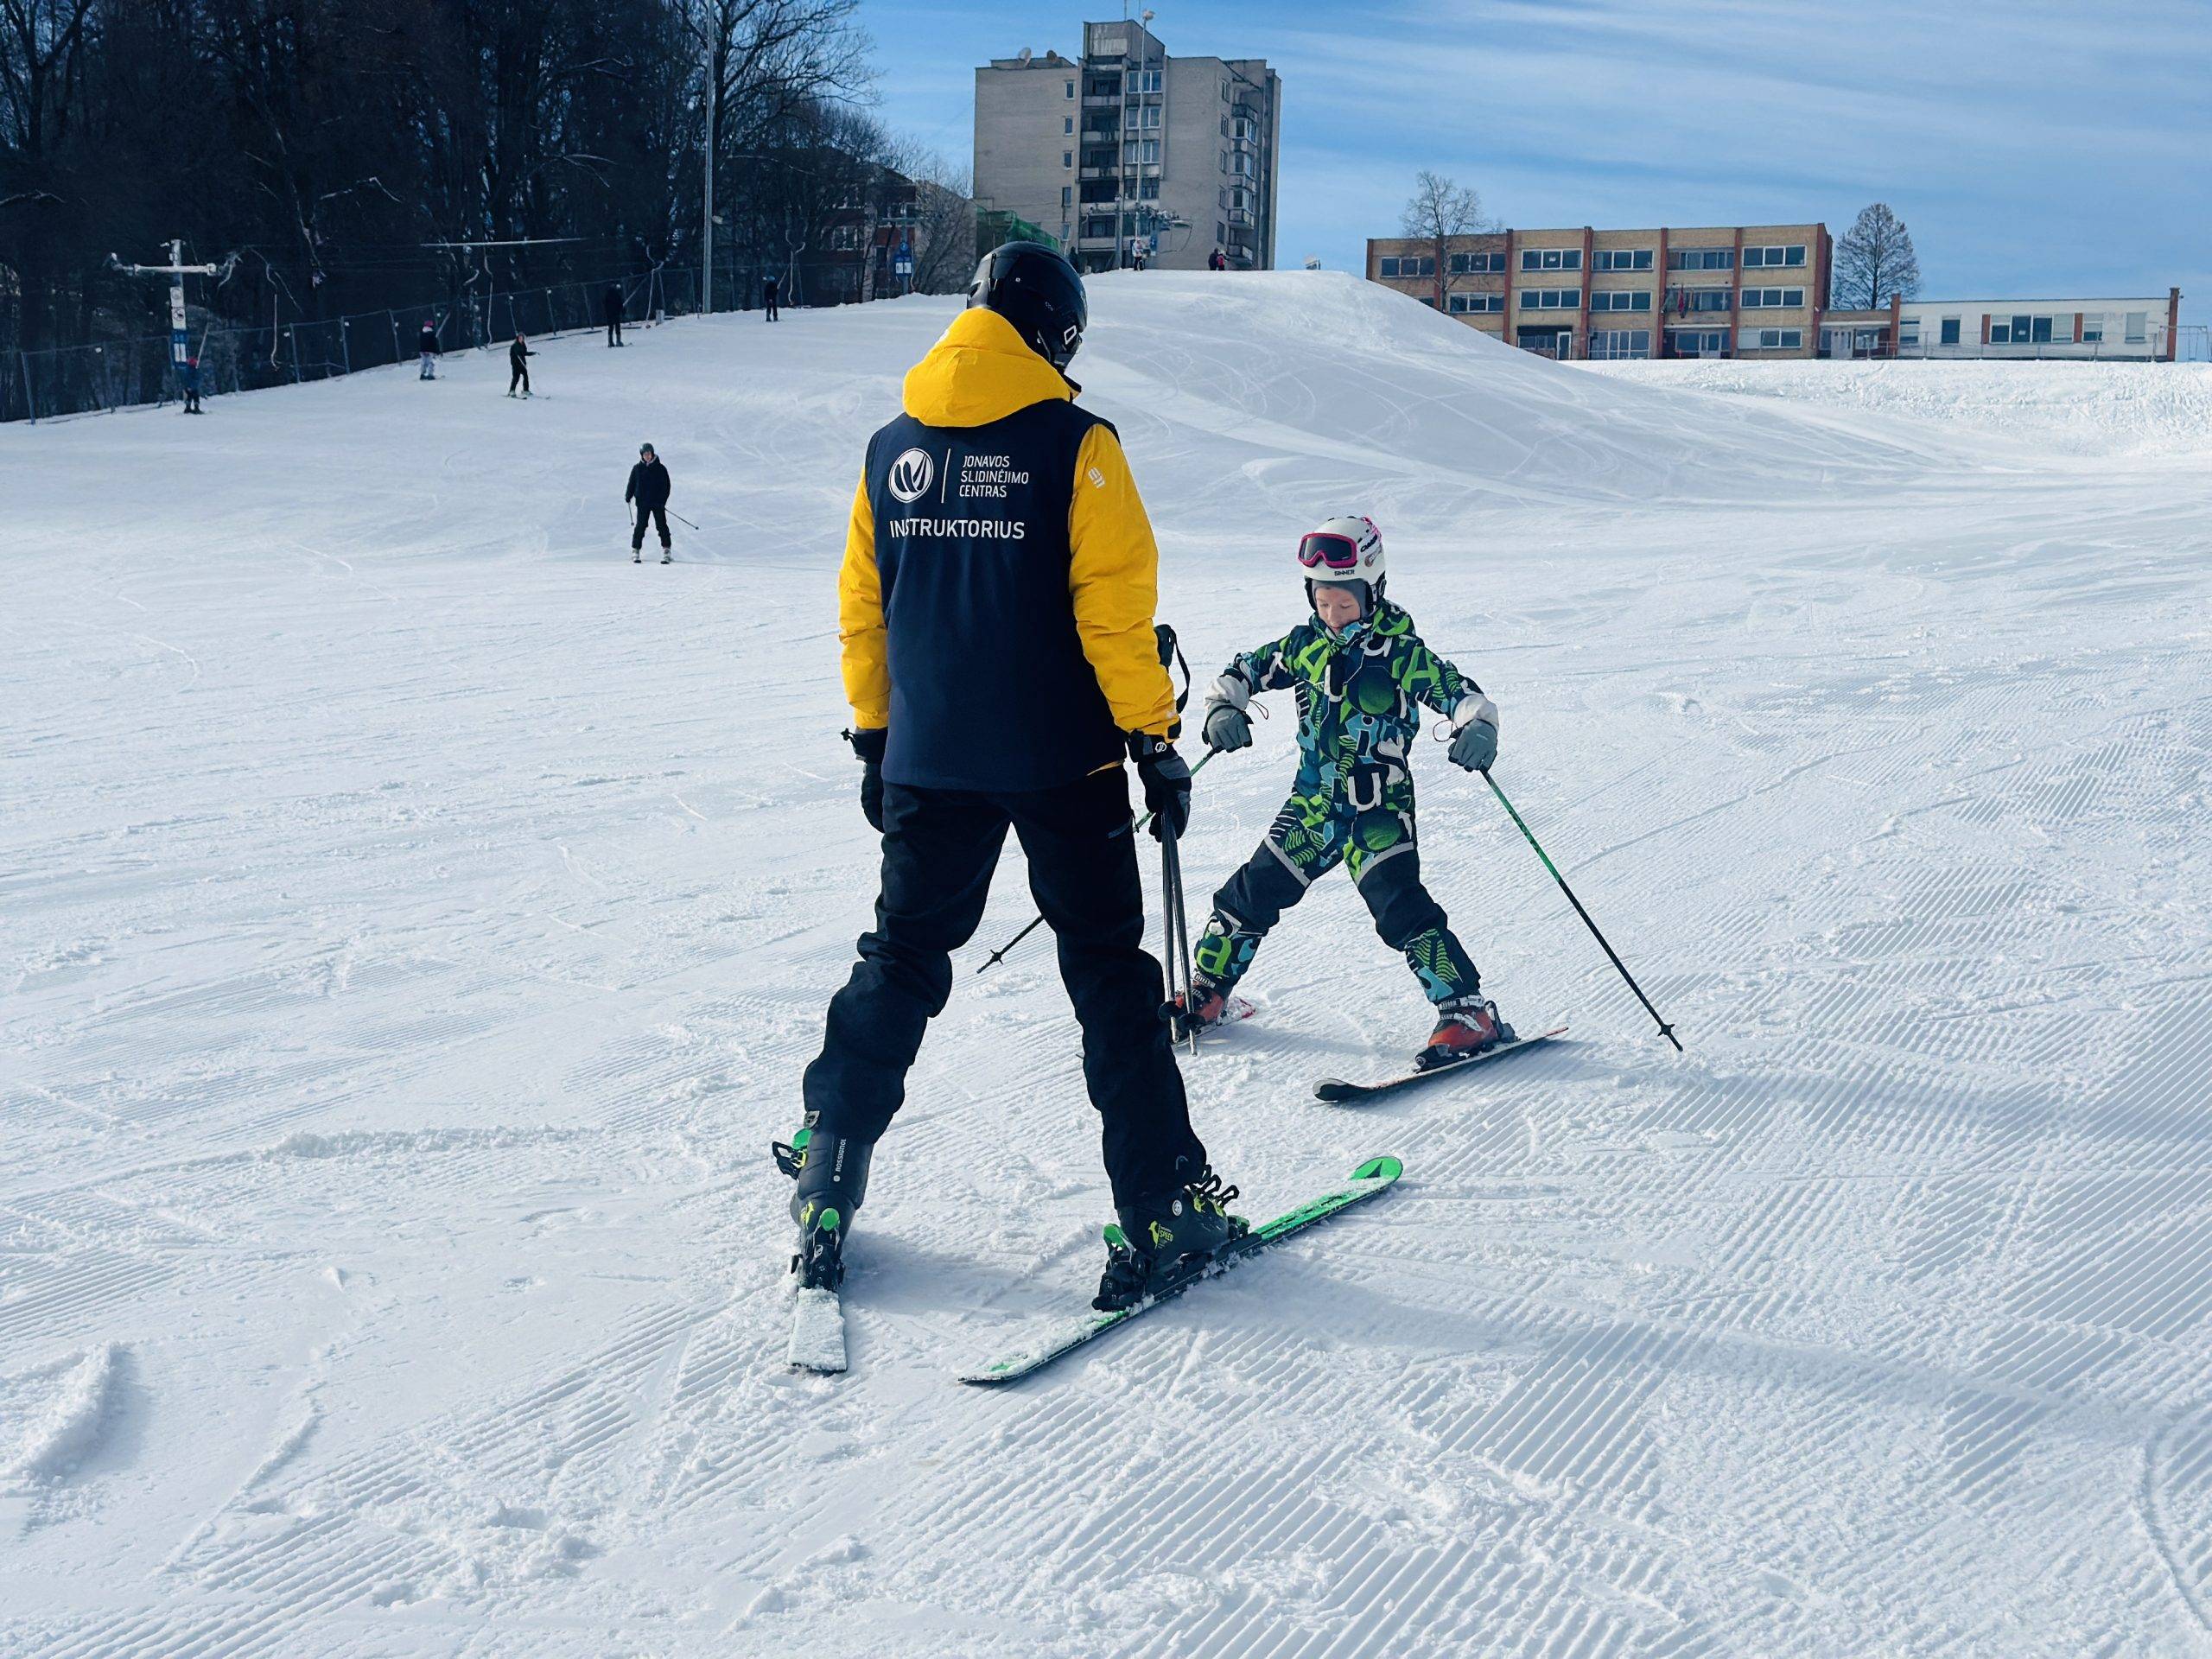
column 1130, row 151
column 1738, row 290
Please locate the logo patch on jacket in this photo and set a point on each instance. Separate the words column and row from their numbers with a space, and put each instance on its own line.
column 911, row 475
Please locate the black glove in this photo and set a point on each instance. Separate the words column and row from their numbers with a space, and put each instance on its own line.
column 870, row 746
column 1167, row 782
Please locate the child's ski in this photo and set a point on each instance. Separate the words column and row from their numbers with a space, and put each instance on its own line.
column 1369, row 1179
column 817, row 1332
column 1338, row 1093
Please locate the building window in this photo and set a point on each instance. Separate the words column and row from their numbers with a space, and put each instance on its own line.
column 1149, row 189
column 1950, row 332
column 2093, row 327
column 1622, row 301
column 1551, row 299
column 1786, row 299
column 1067, row 126
column 2042, row 335
column 1478, row 304
column 1620, row 342
column 1067, row 199
column 1697, row 299
column 1700, row 259
column 1147, row 81
column 1625, row 258
column 1700, row 342
column 1754, row 258
column 1551, row 258
column 1071, row 88
column 1390, row 266
column 2138, row 324
column 1067, row 158
column 1477, row 265
column 1148, row 115
column 1774, row 340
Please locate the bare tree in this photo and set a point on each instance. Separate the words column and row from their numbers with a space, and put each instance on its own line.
column 1440, row 210
column 1874, row 261
column 942, row 227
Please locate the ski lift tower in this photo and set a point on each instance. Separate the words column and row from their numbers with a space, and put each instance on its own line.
column 176, row 270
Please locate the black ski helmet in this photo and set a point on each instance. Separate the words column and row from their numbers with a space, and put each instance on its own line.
column 1036, row 290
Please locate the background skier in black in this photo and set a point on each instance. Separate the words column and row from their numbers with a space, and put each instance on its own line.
column 648, row 487
column 613, row 308
column 430, row 348
column 768, row 296
column 518, row 368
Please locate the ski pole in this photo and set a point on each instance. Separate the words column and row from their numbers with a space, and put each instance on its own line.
column 681, row 519
column 1181, row 985
column 1036, row 922
column 1665, row 1030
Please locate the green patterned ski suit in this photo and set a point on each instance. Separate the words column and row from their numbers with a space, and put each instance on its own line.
column 1359, row 697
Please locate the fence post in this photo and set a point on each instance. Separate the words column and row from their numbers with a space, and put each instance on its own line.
column 293, row 329
column 394, row 321
column 30, row 403
column 345, row 346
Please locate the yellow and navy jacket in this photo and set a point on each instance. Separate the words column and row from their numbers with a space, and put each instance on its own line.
column 999, row 577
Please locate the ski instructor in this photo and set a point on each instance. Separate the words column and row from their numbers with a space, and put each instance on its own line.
column 995, row 610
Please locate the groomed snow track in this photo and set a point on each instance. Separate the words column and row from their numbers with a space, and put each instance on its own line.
column 414, row 919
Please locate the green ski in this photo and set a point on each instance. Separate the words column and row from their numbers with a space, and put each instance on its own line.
column 1369, row 1179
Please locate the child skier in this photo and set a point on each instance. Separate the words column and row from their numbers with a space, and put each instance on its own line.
column 1358, row 669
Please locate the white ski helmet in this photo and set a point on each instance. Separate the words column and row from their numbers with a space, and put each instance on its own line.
column 1343, row 549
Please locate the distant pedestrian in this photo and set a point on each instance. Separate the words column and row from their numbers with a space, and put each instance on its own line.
column 768, row 296
column 190, row 375
column 613, row 306
column 518, row 368
column 1217, row 260
column 648, row 487
column 1139, row 256
column 429, row 345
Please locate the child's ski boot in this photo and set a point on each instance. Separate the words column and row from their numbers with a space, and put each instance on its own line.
column 1466, row 1026
column 667, row 557
column 1160, row 1237
column 832, row 1172
column 1209, row 1004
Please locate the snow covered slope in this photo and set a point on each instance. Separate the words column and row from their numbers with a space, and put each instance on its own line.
column 414, row 919
column 2083, row 409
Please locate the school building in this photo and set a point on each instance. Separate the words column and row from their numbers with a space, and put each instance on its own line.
column 1711, row 290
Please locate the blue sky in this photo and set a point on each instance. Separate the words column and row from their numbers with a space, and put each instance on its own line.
column 2035, row 150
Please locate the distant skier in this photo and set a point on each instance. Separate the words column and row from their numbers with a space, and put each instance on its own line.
column 1217, row 260
column 1138, row 256
column 648, row 487
column 1000, row 660
column 190, row 375
column 1359, row 670
column 518, row 365
column 430, row 346
column 768, row 296
column 611, row 307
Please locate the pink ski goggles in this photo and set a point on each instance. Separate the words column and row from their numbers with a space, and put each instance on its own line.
column 1326, row 549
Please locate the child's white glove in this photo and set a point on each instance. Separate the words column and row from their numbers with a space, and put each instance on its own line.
column 1474, row 732
column 1228, row 728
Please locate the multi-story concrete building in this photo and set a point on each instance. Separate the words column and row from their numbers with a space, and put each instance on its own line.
column 1750, row 290
column 1128, row 149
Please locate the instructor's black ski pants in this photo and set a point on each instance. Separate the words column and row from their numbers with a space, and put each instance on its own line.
column 939, row 849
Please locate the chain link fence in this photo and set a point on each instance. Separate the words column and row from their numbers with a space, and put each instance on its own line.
column 124, row 373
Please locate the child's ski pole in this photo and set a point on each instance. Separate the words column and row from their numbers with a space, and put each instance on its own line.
column 681, row 519
column 1037, row 922
column 1665, row 1030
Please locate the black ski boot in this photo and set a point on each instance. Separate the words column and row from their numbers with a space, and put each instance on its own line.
column 832, row 1172
column 1162, row 1238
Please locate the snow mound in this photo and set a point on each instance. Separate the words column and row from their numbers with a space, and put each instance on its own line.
column 58, row 1412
